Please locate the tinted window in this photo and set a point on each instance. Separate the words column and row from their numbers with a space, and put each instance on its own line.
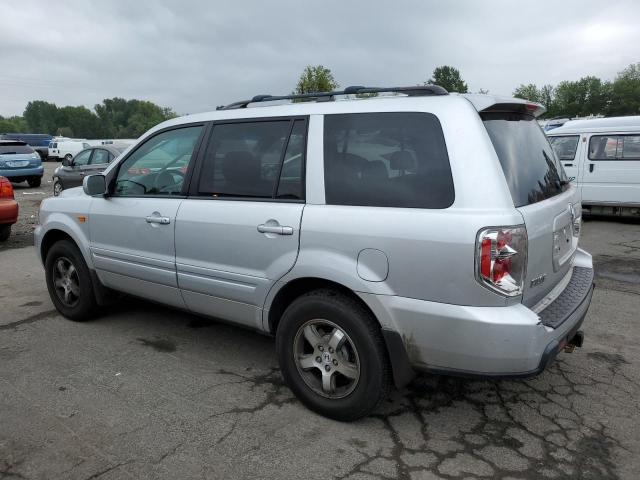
column 386, row 160
column 565, row 147
column 244, row 160
column 82, row 158
column 614, row 147
column 99, row 156
column 291, row 182
column 530, row 166
column 14, row 148
column 159, row 165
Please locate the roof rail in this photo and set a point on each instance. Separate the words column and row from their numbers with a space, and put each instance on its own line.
column 413, row 91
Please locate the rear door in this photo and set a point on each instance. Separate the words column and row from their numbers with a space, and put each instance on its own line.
column 567, row 150
column 612, row 170
column 541, row 191
column 238, row 232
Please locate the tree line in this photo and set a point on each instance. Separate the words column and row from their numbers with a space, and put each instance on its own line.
column 120, row 118
column 113, row 118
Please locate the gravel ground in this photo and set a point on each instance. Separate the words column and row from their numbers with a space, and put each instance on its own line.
column 29, row 201
column 149, row 392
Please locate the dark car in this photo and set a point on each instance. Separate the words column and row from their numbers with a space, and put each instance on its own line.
column 86, row 162
column 38, row 141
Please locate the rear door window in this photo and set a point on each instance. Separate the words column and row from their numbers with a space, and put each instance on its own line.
column 262, row 159
column 530, row 166
column 395, row 159
column 100, row 156
column 565, row 147
column 614, row 147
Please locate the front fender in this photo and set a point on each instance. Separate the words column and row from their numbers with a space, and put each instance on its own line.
column 70, row 225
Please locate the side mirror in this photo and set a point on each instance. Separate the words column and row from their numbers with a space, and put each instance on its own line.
column 66, row 163
column 94, row 185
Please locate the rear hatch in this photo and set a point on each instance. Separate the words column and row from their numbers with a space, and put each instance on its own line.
column 17, row 155
column 549, row 205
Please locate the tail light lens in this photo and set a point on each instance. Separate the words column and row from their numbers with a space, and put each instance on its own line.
column 501, row 259
column 6, row 189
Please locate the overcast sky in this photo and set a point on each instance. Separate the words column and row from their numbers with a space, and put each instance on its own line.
column 194, row 55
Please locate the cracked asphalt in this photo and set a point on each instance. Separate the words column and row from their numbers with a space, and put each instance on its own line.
column 148, row 392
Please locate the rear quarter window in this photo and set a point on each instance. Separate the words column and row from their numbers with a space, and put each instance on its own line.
column 395, row 159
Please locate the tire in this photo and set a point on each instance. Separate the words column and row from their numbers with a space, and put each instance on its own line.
column 34, row 182
column 322, row 313
column 80, row 305
column 5, row 231
column 57, row 188
column 68, row 156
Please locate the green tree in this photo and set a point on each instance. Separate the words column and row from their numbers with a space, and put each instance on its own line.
column 587, row 96
column 315, row 79
column 122, row 118
column 527, row 92
column 13, row 124
column 448, row 78
column 625, row 92
column 41, row 116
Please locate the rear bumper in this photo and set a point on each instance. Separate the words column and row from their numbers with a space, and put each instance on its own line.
column 8, row 212
column 510, row 341
column 15, row 173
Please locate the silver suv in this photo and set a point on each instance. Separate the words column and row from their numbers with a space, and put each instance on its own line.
column 411, row 230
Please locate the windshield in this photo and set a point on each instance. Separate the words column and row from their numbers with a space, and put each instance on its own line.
column 14, row 148
column 530, row 166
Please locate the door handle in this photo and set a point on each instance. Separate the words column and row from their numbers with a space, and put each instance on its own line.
column 568, row 164
column 159, row 220
column 277, row 229
column 591, row 167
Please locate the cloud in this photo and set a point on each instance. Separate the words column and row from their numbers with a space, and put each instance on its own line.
column 193, row 55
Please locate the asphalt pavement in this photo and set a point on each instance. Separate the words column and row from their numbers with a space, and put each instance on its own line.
column 148, row 392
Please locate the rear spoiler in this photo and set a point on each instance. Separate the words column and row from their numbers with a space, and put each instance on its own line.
column 491, row 103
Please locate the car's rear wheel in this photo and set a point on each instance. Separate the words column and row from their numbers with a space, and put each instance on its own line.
column 69, row 281
column 332, row 355
column 57, row 188
column 34, row 182
column 5, row 231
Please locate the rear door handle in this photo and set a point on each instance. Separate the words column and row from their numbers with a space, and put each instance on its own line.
column 568, row 164
column 591, row 167
column 159, row 220
column 277, row 229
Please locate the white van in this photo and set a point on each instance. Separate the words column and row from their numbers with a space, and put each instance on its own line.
column 602, row 156
column 66, row 148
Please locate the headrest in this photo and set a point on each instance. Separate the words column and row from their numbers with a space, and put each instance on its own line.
column 402, row 160
column 240, row 167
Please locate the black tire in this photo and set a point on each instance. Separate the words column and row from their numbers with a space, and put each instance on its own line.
column 363, row 330
column 5, row 231
column 57, row 188
column 84, row 306
column 34, row 182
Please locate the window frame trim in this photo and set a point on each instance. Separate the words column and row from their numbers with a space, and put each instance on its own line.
column 113, row 173
column 616, row 158
column 192, row 192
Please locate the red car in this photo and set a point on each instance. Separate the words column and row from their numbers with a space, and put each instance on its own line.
column 8, row 208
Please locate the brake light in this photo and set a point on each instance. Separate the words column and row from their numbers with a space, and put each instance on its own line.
column 6, row 189
column 501, row 259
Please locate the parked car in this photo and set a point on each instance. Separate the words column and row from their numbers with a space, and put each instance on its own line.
column 66, row 148
column 19, row 163
column 38, row 141
column 8, row 208
column 89, row 161
column 391, row 244
column 602, row 157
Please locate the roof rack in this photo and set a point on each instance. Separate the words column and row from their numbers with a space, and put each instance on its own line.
column 413, row 91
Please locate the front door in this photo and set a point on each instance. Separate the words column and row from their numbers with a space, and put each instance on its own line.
column 132, row 229
column 612, row 170
column 238, row 232
column 72, row 175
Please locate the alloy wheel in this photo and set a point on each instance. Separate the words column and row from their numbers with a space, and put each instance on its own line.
column 66, row 281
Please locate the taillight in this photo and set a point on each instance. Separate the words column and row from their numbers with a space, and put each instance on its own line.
column 6, row 189
column 501, row 259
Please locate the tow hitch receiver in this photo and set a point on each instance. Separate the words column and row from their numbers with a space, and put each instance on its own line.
column 576, row 341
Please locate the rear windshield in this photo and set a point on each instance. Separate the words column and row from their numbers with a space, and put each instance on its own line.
column 530, row 166
column 565, row 147
column 14, row 148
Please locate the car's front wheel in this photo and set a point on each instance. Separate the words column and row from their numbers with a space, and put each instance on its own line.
column 5, row 231
column 332, row 355
column 34, row 182
column 69, row 281
column 57, row 188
